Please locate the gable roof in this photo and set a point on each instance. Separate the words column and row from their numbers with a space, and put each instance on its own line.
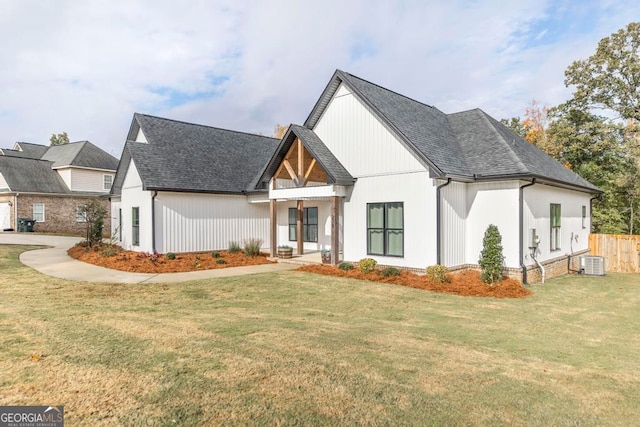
column 336, row 172
column 188, row 157
column 80, row 154
column 466, row 146
column 31, row 176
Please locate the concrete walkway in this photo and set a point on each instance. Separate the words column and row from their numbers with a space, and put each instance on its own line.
column 55, row 262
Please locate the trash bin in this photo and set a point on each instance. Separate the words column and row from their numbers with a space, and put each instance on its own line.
column 28, row 225
column 21, row 225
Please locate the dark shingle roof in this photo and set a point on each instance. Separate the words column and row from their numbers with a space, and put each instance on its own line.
column 32, row 151
column 31, row 176
column 80, row 154
column 469, row 145
column 183, row 156
column 337, row 173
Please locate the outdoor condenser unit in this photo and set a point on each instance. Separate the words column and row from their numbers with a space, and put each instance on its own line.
column 592, row 265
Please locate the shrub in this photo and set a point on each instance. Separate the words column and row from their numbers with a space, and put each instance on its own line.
column 491, row 259
column 215, row 254
column 94, row 214
column 346, row 266
column 109, row 252
column 234, row 247
column 252, row 247
column 171, row 255
column 220, row 261
column 437, row 273
column 390, row 271
column 367, row 265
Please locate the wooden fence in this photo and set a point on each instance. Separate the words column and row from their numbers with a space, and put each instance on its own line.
column 621, row 252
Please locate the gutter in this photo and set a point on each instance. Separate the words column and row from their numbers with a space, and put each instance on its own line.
column 521, row 227
column 153, row 222
column 438, row 219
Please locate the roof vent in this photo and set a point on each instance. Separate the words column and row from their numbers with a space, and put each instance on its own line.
column 592, row 265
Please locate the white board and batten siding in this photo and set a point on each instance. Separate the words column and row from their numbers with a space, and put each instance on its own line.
column 134, row 196
column 537, row 207
column 453, row 217
column 116, row 205
column 202, row 222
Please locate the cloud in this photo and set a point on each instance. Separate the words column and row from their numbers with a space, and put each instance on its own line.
column 86, row 67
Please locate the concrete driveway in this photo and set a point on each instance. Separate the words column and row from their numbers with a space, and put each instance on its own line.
column 54, row 261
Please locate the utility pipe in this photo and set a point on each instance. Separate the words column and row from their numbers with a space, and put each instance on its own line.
column 533, row 255
column 438, row 219
column 521, row 214
column 153, row 222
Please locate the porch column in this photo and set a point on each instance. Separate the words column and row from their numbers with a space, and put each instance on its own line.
column 273, row 224
column 335, row 229
column 300, row 242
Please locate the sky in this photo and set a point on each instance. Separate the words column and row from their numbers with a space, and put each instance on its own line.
column 86, row 66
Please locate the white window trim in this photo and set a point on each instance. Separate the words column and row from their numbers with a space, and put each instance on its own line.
column 34, row 212
column 78, row 213
column 104, row 187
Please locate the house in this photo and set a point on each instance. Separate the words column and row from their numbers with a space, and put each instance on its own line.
column 49, row 184
column 183, row 187
column 370, row 173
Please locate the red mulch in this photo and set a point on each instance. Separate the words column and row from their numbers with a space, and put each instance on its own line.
column 147, row 263
column 465, row 283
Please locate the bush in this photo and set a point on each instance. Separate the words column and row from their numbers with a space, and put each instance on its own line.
column 491, row 259
column 220, row 261
column 346, row 266
column 234, row 247
column 367, row 265
column 215, row 254
column 171, row 255
column 109, row 252
column 437, row 273
column 252, row 247
column 390, row 271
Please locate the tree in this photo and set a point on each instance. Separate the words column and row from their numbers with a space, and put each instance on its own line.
column 515, row 125
column 610, row 79
column 94, row 215
column 280, row 130
column 59, row 139
column 491, row 259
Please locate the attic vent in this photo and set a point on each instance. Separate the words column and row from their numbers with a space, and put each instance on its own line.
column 592, row 265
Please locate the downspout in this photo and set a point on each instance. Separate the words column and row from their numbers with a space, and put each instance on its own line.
column 153, row 222
column 438, row 219
column 521, row 221
column 15, row 211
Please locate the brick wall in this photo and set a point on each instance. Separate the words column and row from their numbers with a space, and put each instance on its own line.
column 60, row 213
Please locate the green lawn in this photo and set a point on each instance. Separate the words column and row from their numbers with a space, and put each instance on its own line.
column 299, row 349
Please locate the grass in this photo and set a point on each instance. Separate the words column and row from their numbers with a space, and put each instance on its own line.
column 296, row 348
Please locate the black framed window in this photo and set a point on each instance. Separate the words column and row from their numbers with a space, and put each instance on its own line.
column 385, row 229
column 309, row 224
column 556, row 214
column 584, row 216
column 135, row 226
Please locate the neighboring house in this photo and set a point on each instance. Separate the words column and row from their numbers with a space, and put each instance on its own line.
column 371, row 173
column 182, row 187
column 48, row 184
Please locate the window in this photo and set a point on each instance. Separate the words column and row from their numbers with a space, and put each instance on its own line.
column 107, row 181
column 80, row 214
column 555, row 216
column 38, row 212
column 584, row 217
column 309, row 224
column 135, row 226
column 385, row 229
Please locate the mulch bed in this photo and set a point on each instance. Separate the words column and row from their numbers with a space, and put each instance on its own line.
column 465, row 283
column 139, row 262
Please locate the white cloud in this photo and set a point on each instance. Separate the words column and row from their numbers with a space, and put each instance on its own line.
column 86, row 67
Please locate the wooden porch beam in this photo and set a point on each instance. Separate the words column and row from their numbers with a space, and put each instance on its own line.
column 292, row 173
column 300, row 159
column 308, row 172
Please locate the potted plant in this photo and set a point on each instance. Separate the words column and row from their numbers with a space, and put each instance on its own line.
column 285, row 251
column 326, row 256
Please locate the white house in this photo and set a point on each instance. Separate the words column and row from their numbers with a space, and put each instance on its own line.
column 371, row 173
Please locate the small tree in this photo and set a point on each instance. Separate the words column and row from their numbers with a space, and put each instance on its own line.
column 59, row 139
column 94, row 215
column 491, row 259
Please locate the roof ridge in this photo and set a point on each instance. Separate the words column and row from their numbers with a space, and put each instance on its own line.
column 514, row 155
column 206, row 126
column 392, row 91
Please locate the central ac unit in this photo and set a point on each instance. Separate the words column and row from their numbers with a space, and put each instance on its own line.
column 592, row 265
